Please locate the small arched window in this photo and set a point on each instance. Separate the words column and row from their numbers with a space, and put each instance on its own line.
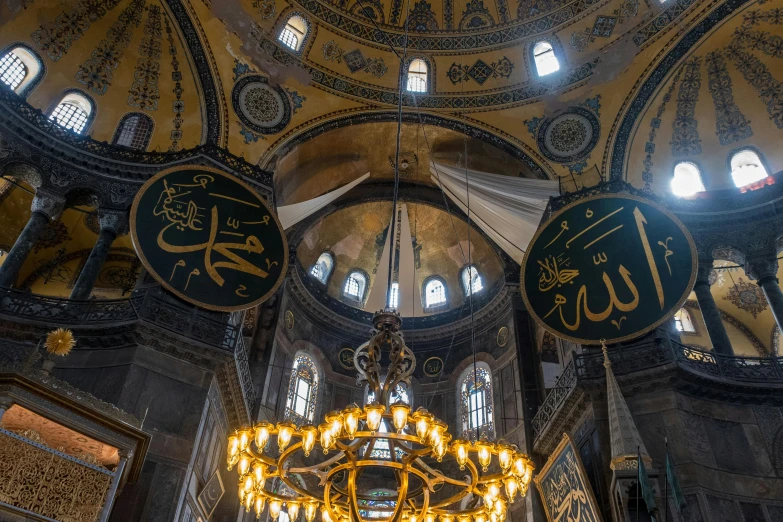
column 294, row 32
column 134, row 131
column 394, row 296
column 74, row 112
column 302, row 391
column 686, row 180
column 355, row 284
column 322, row 268
column 683, row 321
column 20, row 69
column 747, row 168
column 476, row 403
column 434, row 293
column 471, row 280
column 417, row 76
column 545, row 58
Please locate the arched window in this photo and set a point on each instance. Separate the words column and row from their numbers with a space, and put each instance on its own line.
column 747, row 168
column 20, row 69
column 322, row 268
column 471, row 280
column 683, row 321
column 417, row 76
column 74, row 112
column 394, row 296
column 686, row 180
column 302, row 391
column 355, row 284
column 476, row 401
column 134, row 131
column 381, row 508
column 545, row 58
column 434, row 293
column 294, row 32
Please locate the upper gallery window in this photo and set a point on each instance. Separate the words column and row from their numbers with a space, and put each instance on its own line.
column 294, row 32
column 747, row 168
column 134, row 131
column 417, row 76
column 545, row 59
column 73, row 112
column 394, row 296
column 355, row 285
column 322, row 268
column 686, row 180
column 19, row 68
column 434, row 293
column 471, row 280
column 476, row 399
column 302, row 390
column 683, row 321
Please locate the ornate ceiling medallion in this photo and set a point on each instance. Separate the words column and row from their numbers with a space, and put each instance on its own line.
column 569, row 137
column 261, row 107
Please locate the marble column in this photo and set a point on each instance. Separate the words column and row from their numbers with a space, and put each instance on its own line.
column 709, row 310
column 765, row 271
column 113, row 223
column 46, row 207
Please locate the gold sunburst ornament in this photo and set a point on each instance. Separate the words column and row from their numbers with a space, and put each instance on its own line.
column 60, row 342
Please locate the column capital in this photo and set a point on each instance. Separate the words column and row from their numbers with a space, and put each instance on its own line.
column 115, row 221
column 704, row 272
column 48, row 203
column 762, row 268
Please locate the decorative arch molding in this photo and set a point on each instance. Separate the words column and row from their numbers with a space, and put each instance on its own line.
column 654, row 78
column 300, row 136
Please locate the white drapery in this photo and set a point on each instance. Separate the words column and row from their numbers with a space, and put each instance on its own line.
column 290, row 215
column 506, row 208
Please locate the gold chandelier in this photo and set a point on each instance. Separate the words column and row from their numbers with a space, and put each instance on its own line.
column 421, row 456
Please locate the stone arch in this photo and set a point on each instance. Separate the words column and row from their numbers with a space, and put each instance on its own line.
column 24, row 172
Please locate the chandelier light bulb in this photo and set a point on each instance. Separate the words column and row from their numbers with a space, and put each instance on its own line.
column 293, row 511
column 263, row 430
column 519, row 466
column 429, row 517
column 244, row 440
column 244, row 465
column 335, row 422
column 249, row 484
column 500, row 508
column 464, row 518
column 494, row 490
column 460, row 447
column 233, row 445
column 446, row 518
column 437, row 429
column 512, row 486
column 309, row 510
column 422, row 418
column 505, row 457
column 351, row 417
column 274, row 509
column 400, row 413
column 260, row 501
column 249, row 498
column 325, row 515
column 258, row 473
column 285, row 431
column 484, row 454
column 493, row 517
column 241, row 493
column 526, row 476
column 479, row 517
column 309, row 435
column 374, row 415
column 326, row 437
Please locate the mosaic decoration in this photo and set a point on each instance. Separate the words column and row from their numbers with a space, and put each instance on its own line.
column 565, row 488
column 346, row 358
column 685, row 135
column 266, row 8
column 260, row 107
column 394, row 19
column 662, row 21
column 448, row 14
column 433, row 366
column 611, row 266
column 744, row 330
column 54, row 233
column 502, row 337
column 248, row 135
column 502, row 6
column 144, row 91
column 209, row 238
column 55, row 38
column 533, row 8
column 756, row 74
column 370, row 9
column 655, row 124
column 732, row 126
column 122, row 277
column 747, row 296
column 240, row 69
column 302, row 391
column 604, row 25
column 178, row 105
column 480, row 72
column 98, row 70
column 421, row 18
column 355, row 60
column 296, row 99
column 475, row 16
column 570, row 136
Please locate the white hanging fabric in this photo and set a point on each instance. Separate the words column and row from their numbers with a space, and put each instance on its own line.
column 507, row 209
column 290, row 215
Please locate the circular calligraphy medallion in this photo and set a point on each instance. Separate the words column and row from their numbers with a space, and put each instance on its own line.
column 502, row 338
column 611, row 266
column 261, row 107
column 433, row 366
column 346, row 358
column 289, row 319
column 209, row 238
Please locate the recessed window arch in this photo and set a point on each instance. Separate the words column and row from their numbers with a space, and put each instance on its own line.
column 683, row 321
column 21, row 68
column 134, row 131
column 302, row 390
column 747, row 167
column 545, row 58
column 686, row 180
column 75, row 112
column 472, row 281
column 475, row 399
column 435, row 294
column 323, row 267
column 355, row 285
column 294, row 33
column 418, row 76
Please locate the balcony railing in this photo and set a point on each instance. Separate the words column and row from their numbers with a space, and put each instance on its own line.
column 563, row 388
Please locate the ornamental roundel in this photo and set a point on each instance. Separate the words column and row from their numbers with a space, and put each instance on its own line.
column 345, row 357
column 502, row 339
column 261, row 107
column 433, row 366
column 569, row 137
column 289, row 319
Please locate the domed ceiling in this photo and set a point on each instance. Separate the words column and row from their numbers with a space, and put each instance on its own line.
column 356, row 236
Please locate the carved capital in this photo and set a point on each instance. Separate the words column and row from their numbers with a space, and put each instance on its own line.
column 115, row 221
column 762, row 268
column 48, row 203
column 705, row 273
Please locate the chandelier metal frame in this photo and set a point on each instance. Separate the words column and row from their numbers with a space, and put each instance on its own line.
column 496, row 472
